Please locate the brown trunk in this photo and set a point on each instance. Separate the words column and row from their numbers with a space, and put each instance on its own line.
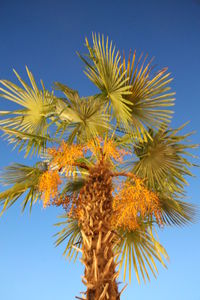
column 98, row 258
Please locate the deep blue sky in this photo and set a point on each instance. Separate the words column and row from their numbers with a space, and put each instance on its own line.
column 45, row 36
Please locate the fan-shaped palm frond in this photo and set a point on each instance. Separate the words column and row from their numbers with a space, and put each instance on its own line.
column 70, row 94
column 149, row 96
column 63, row 106
column 140, row 249
column 37, row 105
column 162, row 160
column 30, row 143
column 103, row 70
column 70, row 233
column 86, row 117
column 176, row 212
column 24, row 180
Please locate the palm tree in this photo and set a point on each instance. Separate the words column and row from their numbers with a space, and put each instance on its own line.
column 110, row 160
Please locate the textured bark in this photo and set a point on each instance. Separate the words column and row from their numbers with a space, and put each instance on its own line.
column 98, row 258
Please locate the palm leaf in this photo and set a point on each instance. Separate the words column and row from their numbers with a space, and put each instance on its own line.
column 162, row 160
column 150, row 94
column 24, row 180
column 70, row 94
column 139, row 249
column 37, row 106
column 71, row 234
column 30, row 143
column 93, row 119
column 176, row 212
column 103, row 69
column 73, row 186
column 85, row 117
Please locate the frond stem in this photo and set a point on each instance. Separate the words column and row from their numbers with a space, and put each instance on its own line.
column 128, row 174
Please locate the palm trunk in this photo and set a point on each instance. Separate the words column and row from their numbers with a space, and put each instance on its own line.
column 98, row 258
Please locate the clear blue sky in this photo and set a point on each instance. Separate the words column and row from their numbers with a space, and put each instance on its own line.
column 45, row 36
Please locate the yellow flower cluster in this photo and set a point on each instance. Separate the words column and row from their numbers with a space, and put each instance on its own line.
column 132, row 202
column 94, row 147
column 65, row 156
column 106, row 149
column 48, row 186
column 111, row 151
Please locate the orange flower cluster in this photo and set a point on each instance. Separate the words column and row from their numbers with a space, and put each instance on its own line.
column 48, row 186
column 132, row 202
column 106, row 149
column 94, row 147
column 65, row 156
column 111, row 151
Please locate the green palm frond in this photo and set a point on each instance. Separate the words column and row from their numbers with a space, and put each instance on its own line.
column 141, row 250
column 70, row 94
column 37, row 105
column 24, row 180
column 30, row 143
column 85, row 117
column 162, row 160
column 63, row 105
column 104, row 70
column 150, row 94
column 70, row 233
column 176, row 212
column 73, row 186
